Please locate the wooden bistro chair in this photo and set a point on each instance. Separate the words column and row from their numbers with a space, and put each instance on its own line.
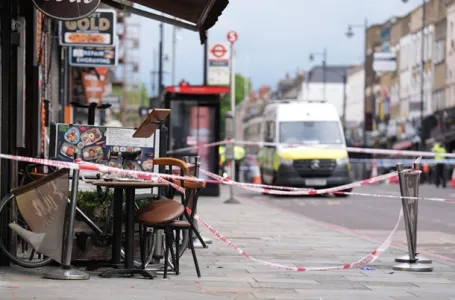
column 171, row 216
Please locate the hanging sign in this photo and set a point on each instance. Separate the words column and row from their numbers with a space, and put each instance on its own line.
column 96, row 30
column 67, row 10
column 93, row 87
column 92, row 56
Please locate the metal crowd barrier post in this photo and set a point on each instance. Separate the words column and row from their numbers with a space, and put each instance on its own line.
column 195, row 240
column 66, row 272
column 229, row 154
column 409, row 187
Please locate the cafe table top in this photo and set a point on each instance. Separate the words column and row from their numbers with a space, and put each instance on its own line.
column 125, row 184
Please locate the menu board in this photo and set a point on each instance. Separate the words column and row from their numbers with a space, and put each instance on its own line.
column 96, row 143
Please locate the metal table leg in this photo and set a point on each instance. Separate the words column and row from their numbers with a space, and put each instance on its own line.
column 129, row 269
column 116, row 262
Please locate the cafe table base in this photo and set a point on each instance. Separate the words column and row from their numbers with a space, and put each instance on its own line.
column 66, row 273
column 130, row 213
column 115, row 262
column 127, row 272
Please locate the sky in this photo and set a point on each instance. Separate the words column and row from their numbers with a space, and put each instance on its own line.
column 275, row 37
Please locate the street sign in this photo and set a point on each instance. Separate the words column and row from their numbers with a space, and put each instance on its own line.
column 92, row 57
column 218, row 72
column 218, row 51
column 384, row 62
column 232, row 36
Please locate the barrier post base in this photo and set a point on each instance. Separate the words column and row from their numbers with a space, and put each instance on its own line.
column 66, row 274
column 420, row 259
column 413, row 267
column 232, row 200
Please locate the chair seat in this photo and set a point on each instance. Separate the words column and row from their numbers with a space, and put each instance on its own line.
column 180, row 224
column 190, row 184
column 159, row 211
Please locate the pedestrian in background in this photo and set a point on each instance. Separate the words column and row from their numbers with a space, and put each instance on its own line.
column 440, row 152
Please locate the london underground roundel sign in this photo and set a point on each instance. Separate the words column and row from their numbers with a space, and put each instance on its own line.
column 67, row 10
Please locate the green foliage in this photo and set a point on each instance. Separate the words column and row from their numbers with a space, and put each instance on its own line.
column 242, row 88
column 139, row 97
column 90, row 202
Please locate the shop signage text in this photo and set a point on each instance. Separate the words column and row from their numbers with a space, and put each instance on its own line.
column 98, row 29
column 67, row 9
column 92, row 57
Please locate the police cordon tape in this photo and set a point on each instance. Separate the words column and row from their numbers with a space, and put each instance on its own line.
column 364, row 261
column 273, row 190
column 291, row 191
column 391, row 162
column 348, row 149
column 87, row 166
column 368, row 259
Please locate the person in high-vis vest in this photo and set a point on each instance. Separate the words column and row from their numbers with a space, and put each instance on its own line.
column 239, row 155
column 440, row 152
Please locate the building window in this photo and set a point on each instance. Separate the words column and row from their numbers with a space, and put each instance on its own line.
column 439, row 51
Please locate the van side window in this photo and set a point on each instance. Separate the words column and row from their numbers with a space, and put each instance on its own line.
column 270, row 131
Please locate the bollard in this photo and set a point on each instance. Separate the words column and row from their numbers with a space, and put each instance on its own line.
column 409, row 187
column 66, row 272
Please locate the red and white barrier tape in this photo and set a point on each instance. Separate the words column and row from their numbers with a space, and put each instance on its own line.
column 281, row 190
column 208, row 145
column 292, row 191
column 366, row 260
column 348, row 149
column 266, row 189
column 86, row 166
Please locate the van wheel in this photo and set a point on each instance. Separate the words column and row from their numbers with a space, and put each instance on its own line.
column 339, row 195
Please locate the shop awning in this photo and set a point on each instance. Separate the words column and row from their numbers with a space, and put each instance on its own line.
column 196, row 15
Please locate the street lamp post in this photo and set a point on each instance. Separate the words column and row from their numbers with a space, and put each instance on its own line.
column 350, row 34
column 345, row 82
column 324, row 69
column 174, row 56
column 160, row 61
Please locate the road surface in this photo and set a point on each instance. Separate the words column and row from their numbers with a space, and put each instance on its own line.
column 375, row 217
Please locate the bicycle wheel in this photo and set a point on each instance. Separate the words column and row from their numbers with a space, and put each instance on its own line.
column 20, row 252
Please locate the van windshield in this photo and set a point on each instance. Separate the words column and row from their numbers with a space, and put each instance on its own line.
column 311, row 132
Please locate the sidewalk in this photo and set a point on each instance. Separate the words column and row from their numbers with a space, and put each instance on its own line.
column 264, row 233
